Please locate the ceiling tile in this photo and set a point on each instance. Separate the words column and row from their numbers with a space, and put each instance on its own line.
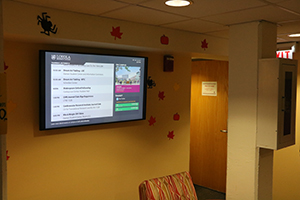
column 285, row 38
column 293, row 5
column 92, row 7
column 288, row 28
column 144, row 15
column 196, row 25
column 221, row 34
column 276, row 1
column 133, row 1
column 268, row 13
column 204, row 7
column 281, row 40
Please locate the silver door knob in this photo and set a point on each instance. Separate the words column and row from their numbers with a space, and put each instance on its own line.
column 223, row 131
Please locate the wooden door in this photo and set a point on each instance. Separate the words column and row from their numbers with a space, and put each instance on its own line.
column 208, row 145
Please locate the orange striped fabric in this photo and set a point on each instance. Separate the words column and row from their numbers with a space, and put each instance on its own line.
column 173, row 187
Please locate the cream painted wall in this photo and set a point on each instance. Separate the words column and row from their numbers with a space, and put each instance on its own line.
column 95, row 162
column 286, row 178
column 105, row 162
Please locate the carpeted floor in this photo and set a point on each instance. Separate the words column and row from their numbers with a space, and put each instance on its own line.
column 206, row 194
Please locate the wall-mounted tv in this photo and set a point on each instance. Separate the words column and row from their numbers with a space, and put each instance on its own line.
column 78, row 89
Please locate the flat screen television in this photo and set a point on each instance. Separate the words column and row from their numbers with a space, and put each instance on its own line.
column 78, row 89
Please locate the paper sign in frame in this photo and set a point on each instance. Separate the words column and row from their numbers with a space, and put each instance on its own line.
column 209, row 88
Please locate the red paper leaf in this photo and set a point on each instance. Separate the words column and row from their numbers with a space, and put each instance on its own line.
column 151, row 121
column 204, row 44
column 171, row 135
column 7, row 157
column 161, row 95
column 116, row 32
column 5, row 66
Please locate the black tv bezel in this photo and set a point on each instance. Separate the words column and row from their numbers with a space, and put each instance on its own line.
column 42, row 89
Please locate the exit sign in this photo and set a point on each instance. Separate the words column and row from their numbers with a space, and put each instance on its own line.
column 288, row 54
column 285, row 54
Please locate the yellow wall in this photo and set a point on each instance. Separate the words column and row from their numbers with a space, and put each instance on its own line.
column 96, row 162
column 105, row 162
column 286, row 180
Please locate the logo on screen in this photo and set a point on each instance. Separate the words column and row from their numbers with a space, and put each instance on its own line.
column 61, row 57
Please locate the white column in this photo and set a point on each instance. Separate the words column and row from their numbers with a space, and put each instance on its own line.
column 248, row 43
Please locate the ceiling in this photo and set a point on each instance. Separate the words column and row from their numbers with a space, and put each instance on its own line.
column 209, row 17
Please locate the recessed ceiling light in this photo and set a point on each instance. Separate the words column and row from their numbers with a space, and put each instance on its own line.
column 178, row 3
column 295, row 35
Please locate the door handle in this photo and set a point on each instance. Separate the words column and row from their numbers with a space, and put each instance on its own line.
column 223, row 131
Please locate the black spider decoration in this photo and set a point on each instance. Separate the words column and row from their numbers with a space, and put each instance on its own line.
column 151, row 83
column 46, row 25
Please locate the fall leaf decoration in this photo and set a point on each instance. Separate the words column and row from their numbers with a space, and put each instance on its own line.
column 151, row 121
column 5, row 66
column 116, row 32
column 161, row 95
column 7, row 156
column 171, row 135
column 204, row 44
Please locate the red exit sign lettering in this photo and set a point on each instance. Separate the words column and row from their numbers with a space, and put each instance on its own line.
column 285, row 54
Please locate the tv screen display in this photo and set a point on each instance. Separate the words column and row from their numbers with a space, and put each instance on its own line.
column 79, row 89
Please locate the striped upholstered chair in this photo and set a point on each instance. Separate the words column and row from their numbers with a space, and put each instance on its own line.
column 173, row 187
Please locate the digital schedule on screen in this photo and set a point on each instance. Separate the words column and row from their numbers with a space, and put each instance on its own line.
column 79, row 89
